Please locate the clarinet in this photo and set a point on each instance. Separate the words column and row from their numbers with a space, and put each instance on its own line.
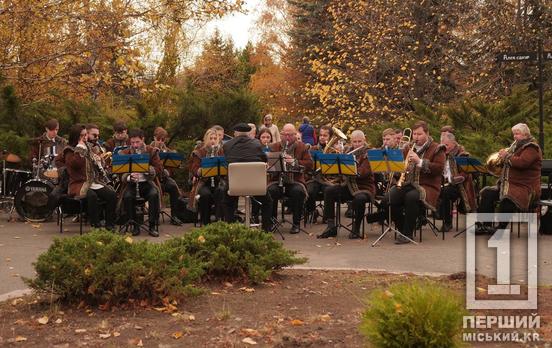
column 284, row 165
column 138, row 151
column 213, row 148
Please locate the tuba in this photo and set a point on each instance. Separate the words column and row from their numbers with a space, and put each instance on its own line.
column 337, row 135
column 495, row 164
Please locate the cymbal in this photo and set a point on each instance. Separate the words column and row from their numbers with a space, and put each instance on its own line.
column 10, row 157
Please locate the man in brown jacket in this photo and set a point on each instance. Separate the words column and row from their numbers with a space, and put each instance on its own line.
column 519, row 182
column 420, row 185
column 456, row 183
column 297, row 157
column 360, row 190
column 148, row 187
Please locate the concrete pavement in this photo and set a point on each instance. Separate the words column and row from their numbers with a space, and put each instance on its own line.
column 21, row 243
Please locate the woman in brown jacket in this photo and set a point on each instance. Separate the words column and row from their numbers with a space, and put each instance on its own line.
column 519, row 182
column 84, row 179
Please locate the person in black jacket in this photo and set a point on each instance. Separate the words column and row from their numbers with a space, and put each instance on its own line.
column 243, row 148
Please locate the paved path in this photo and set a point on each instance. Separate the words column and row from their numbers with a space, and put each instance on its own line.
column 21, row 243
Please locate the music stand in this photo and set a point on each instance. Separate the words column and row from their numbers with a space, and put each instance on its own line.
column 386, row 162
column 132, row 163
column 171, row 160
column 338, row 164
column 214, row 168
column 472, row 166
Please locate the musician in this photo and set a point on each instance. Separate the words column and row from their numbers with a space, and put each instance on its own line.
column 210, row 190
column 220, row 133
column 93, row 138
column 168, row 184
column 398, row 135
column 86, row 179
column 389, row 139
column 265, row 138
column 360, row 190
column 120, row 137
column 456, row 183
column 315, row 184
column 425, row 161
column 446, row 129
column 272, row 127
column 519, row 182
column 49, row 143
column 296, row 157
column 149, row 188
column 244, row 149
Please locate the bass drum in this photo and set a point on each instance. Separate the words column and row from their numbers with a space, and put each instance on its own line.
column 31, row 200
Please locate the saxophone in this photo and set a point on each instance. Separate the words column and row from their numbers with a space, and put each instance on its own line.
column 100, row 174
column 411, row 174
column 214, row 150
column 505, row 173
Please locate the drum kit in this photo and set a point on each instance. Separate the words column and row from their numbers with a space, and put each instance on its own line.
column 28, row 192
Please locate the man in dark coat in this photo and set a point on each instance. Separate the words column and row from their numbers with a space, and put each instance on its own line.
column 243, row 148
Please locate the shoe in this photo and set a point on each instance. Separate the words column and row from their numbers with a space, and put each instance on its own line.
column 353, row 235
column 401, row 240
column 153, row 231
column 447, row 226
column 294, row 229
column 328, row 232
column 136, row 230
column 481, row 229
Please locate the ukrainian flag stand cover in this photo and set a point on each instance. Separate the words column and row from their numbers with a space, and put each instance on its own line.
column 133, row 163
column 213, row 166
column 337, row 164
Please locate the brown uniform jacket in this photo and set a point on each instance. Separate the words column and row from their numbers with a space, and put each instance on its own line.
column 524, row 175
column 301, row 153
column 365, row 181
column 76, row 170
column 200, row 153
column 467, row 184
column 111, row 143
column 433, row 164
column 59, row 142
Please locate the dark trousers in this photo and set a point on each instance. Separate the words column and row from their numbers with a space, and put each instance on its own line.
column 338, row 193
column 208, row 196
column 405, row 207
column 449, row 194
column 489, row 198
column 148, row 192
column 230, row 205
column 296, row 199
column 169, row 186
column 108, row 195
column 314, row 188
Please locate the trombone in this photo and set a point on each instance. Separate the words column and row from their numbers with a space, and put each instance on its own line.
column 406, row 138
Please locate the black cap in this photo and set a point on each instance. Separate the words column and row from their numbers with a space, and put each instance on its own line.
column 242, row 127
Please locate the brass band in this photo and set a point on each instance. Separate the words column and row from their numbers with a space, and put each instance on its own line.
column 80, row 168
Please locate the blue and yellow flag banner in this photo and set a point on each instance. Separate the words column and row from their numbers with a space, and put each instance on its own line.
column 470, row 165
column 334, row 163
column 213, row 166
column 134, row 163
column 171, row 159
column 380, row 159
column 315, row 158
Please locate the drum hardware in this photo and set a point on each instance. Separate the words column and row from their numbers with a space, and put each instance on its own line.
column 31, row 200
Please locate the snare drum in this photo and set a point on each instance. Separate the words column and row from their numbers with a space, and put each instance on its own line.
column 14, row 180
column 31, row 200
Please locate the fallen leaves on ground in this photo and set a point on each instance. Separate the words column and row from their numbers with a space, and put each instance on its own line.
column 43, row 320
column 297, row 322
column 248, row 340
column 177, row 335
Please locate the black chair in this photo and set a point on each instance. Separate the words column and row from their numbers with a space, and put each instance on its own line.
column 70, row 206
